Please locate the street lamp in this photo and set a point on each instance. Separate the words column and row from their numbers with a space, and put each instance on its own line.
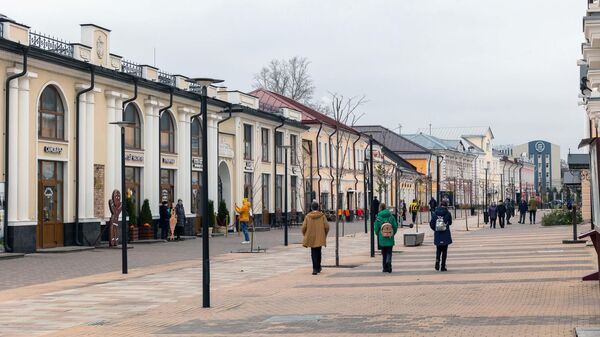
column 124, row 237
column 203, row 83
column 285, row 198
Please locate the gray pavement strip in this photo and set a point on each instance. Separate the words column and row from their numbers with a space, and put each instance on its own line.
column 398, row 270
column 293, row 318
column 437, row 283
column 586, row 262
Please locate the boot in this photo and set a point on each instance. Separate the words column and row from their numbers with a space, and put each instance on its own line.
column 437, row 264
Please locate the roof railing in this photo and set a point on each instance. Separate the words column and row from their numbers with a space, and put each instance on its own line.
column 50, row 44
column 131, row 68
column 166, row 78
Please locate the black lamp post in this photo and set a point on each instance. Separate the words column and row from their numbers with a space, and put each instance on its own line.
column 124, row 236
column 203, row 83
column 371, row 196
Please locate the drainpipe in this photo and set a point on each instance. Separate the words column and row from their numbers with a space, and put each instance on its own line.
column 160, row 111
column 275, row 162
column 77, row 133
column 318, row 196
column 7, row 247
column 355, row 175
column 331, row 169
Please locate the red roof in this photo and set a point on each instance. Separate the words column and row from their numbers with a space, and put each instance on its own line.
column 271, row 101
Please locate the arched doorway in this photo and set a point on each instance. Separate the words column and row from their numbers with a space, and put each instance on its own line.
column 224, row 187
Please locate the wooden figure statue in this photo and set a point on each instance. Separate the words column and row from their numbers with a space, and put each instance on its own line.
column 115, row 206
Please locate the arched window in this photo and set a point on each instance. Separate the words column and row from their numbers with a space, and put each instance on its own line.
column 196, row 138
column 167, row 133
column 133, row 133
column 51, row 115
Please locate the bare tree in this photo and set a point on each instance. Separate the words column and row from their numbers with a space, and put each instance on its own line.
column 345, row 111
column 287, row 77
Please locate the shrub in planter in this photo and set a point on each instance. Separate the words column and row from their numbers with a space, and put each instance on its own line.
column 222, row 214
column 145, row 222
column 131, row 211
column 211, row 214
column 561, row 217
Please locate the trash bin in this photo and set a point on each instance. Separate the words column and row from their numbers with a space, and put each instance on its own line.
column 486, row 217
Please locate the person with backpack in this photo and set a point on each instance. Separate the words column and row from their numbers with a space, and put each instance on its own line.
column 315, row 229
column 440, row 224
column 522, row 211
column 414, row 208
column 385, row 229
column 493, row 214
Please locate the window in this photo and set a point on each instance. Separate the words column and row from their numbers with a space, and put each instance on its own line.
column 320, row 158
column 132, row 183
column 167, row 133
column 51, row 116
column 294, row 149
column 278, row 192
column 133, row 133
column 294, row 191
column 279, row 148
column 324, row 201
column 247, row 142
column 248, row 182
column 265, row 191
column 265, row 144
column 195, row 191
column 196, row 138
column 326, row 152
column 167, row 186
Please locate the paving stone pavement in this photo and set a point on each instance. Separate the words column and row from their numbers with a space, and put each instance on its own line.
column 519, row 281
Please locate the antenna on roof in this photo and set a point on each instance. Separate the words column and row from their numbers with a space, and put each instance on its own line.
column 430, row 129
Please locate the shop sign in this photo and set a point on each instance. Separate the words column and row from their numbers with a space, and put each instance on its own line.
column 134, row 157
column 53, row 149
column 168, row 161
column 225, row 150
column 248, row 165
column 197, row 163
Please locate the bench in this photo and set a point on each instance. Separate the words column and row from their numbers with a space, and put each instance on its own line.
column 595, row 237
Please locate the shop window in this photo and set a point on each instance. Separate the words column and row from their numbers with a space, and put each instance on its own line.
column 195, row 191
column 132, row 183
column 167, row 133
column 196, row 138
column 133, row 133
column 279, row 192
column 51, row 124
column 167, row 186
column 294, row 191
column 265, row 191
column 248, row 181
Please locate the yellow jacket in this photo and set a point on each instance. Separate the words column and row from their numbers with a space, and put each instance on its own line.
column 244, row 211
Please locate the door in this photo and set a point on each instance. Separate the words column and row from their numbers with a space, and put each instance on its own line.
column 50, row 229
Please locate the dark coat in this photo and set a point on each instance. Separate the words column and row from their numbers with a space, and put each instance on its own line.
column 432, row 204
column 523, row 206
column 493, row 212
column 374, row 208
column 180, row 213
column 445, row 237
column 165, row 216
column 501, row 210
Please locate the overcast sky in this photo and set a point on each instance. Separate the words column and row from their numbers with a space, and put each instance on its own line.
column 510, row 64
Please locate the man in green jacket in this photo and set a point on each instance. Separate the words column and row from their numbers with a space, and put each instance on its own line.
column 532, row 210
column 385, row 229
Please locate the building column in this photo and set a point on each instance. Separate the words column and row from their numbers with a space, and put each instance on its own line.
column 13, row 171
column 213, row 163
column 184, row 174
column 151, row 188
column 21, row 150
column 83, row 151
column 88, row 165
column 111, row 135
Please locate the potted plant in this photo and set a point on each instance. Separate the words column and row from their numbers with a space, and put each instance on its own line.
column 133, row 229
column 222, row 217
column 145, row 221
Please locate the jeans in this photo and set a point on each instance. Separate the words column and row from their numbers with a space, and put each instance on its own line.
column 501, row 217
column 522, row 217
column 532, row 217
column 164, row 232
column 414, row 217
column 315, row 255
column 386, row 258
column 492, row 222
column 442, row 251
column 244, row 225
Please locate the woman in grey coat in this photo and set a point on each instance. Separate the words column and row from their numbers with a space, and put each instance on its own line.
column 180, row 213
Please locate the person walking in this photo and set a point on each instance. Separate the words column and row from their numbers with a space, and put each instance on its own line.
column 532, row 208
column 501, row 213
column 510, row 210
column 385, row 229
column 493, row 214
column 414, row 208
column 432, row 205
column 164, row 219
column 244, row 213
column 374, row 208
column 442, row 237
column 315, row 229
column 180, row 212
column 522, row 211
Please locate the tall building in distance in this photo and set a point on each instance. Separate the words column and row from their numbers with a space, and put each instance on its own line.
column 546, row 159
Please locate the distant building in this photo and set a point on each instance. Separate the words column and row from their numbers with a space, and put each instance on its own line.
column 506, row 150
column 546, row 159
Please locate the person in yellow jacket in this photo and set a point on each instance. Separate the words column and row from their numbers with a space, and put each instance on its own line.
column 414, row 209
column 244, row 213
